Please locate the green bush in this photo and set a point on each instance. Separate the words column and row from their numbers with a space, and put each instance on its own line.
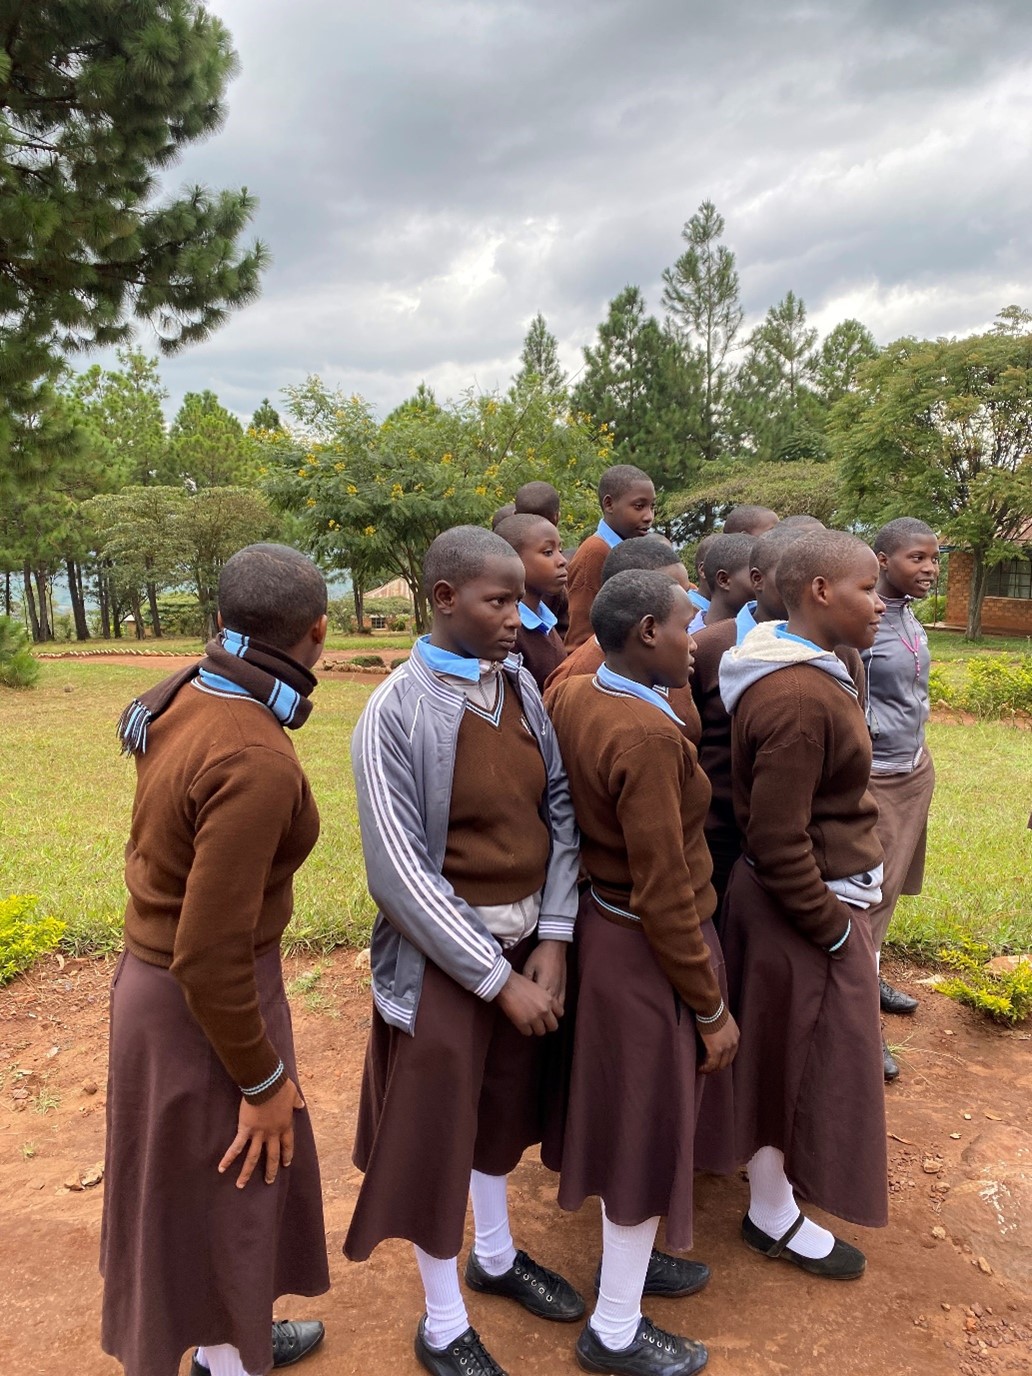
column 995, row 689
column 24, row 935
column 369, row 662
column 341, row 614
column 1004, row 996
column 939, row 690
column 19, row 668
column 180, row 614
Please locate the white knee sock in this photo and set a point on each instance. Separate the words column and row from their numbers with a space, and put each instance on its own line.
column 221, row 1360
column 492, row 1243
column 772, row 1206
column 446, row 1315
column 625, row 1260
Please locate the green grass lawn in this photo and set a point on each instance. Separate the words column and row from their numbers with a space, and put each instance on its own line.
column 68, row 794
column 190, row 645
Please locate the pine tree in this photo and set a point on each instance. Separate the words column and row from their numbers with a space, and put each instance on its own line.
column 266, row 417
column 539, row 362
column 208, row 446
column 97, row 99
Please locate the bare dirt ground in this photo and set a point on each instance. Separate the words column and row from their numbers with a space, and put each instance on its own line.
column 948, row 1287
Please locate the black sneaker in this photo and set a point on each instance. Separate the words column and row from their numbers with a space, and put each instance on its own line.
column 670, row 1278
column 653, row 1353
column 466, row 1355
column 542, row 1293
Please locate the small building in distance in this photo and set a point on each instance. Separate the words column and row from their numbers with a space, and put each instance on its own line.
column 1007, row 609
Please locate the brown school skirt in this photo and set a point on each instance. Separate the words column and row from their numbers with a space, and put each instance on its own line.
column 808, row 1076
column 464, row 1093
column 634, row 1100
column 903, row 802
column 186, row 1257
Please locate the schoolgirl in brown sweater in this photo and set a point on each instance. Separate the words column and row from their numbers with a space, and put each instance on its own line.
column 647, row 966
column 809, row 1104
column 628, row 500
column 203, row 1226
column 537, row 543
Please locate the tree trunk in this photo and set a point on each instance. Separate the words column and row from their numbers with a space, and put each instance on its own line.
column 979, row 580
column 155, row 615
column 105, row 609
column 7, row 594
column 30, row 606
column 46, row 630
column 82, row 631
column 137, row 611
column 359, row 600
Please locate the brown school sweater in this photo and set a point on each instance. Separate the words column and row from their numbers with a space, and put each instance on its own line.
column 542, row 653
column 640, row 800
column 801, row 759
column 583, row 580
column 588, row 659
column 498, row 844
column 222, row 819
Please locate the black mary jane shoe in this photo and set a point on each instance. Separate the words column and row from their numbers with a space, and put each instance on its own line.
column 889, row 1064
column 292, row 1339
column 652, row 1353
column 894, row 1000
column 843, row 1262
column 670, row 1278
column 543, row 1293
column 466, row 1355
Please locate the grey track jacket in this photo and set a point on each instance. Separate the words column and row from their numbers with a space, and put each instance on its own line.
column 897, row 689
column 403, row 754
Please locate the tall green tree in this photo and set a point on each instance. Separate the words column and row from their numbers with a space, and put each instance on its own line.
column 96, row 100
column 780, row 416
column 834, row 366
column 266, row 417
column 942, row 430
column 207, row 445
column 123, row 406
column 539, row 362
column 704, row 310
column 137, row 535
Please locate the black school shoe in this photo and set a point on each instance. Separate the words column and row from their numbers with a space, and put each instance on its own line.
column 894, row 1000
column 292, row 1339
column 843, row 1262
column 466, row 1355
column 670, row 1278
column 543, row 1293
column 653, row 1353
column 890, row 1066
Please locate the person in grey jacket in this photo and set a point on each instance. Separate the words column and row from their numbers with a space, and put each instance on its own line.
column 471, row 854
column 902, row 773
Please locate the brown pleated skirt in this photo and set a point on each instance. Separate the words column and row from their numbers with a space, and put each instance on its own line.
column 186, row 1257
column 903, row 802
column 465, row 1092
column 808, row 1076
column 634, row 1099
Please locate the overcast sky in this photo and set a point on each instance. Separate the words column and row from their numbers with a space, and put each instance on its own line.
column 433, row 173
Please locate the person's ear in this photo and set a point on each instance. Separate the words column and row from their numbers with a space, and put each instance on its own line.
column 442, row 597
column 219, row 621
column 319, row 630
column 883, row 559
column 756, row 579
column 820, row 589
column 647, row 629
column 723, row 580
column 607, row 504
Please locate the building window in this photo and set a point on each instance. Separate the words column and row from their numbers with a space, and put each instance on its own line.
column 1011, row 578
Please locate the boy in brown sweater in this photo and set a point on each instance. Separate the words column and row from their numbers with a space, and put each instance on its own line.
column 537, row 543
column 202, row 1071
column 647, row 982
column 809, row 1103
column 628, row 500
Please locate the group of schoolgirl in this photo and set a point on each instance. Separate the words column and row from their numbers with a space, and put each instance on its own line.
column 516, row 856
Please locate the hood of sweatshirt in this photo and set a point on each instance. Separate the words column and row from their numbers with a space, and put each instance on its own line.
column 767, row 649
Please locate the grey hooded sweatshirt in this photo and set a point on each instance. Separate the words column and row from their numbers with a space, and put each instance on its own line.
column 896, row 668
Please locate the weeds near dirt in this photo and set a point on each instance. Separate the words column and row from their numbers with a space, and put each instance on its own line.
column 28, row 1150
column 45, row 1099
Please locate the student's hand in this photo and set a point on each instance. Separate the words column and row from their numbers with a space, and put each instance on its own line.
column 720, row 1047
column 546, row 966
column 528, row 1006
column 268, row 1127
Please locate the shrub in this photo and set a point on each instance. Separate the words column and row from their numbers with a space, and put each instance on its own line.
column 399, row 661
column 939, row 690
column 1004, row 996
column 397, row 623
column 368, row 662
column 24, row 936
column 341, row 614
column 994, row 689
column 180, row 614
column 19, row 668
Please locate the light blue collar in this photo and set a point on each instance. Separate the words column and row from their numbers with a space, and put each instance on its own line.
column 444, row 662
column 542, row 620
column 616, row 683
column 608, row 534
column 783, row 633
column 696, row 598
column 745, row 621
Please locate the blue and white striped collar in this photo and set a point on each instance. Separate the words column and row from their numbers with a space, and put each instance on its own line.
column 541, row 620
column 612, row 682
column 608, row 534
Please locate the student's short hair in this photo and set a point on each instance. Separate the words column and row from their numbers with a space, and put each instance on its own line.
column 537, row 499
column 650, row 553
column 895, row 534
column 519, row 530
column 823, row 554
column 801, row 521
column 271, row 593
column 502, row 514
column 701, row 548
column 619, row 479
column 459, row 555
column 727, row 552
column 768, row 548
column 625, row 599
column 740, row 519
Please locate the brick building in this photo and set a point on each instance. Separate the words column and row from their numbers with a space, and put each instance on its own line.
column 1007, row 609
